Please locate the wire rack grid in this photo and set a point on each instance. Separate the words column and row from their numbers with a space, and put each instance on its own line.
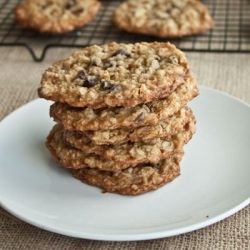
column 231, row 32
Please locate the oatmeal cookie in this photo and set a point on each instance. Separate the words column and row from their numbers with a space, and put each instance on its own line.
column 132, row 153
column 70, row 157
column 115, row 74
column 55, row 16
column 118, row 136
column 163, row 18
column 127, row 155
column 132, row 181
column 82, row 119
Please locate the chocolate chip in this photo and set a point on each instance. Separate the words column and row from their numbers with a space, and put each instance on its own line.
column 87, row 81
column 187, row 126
column 140, row 117
column 121, row 52
column 90, row 81
column 70, row 4
column 78, row 11
column 107, row 85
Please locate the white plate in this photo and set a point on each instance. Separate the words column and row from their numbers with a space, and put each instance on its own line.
column 214, row 184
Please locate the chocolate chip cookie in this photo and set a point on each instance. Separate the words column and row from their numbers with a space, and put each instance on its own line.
column 55, row 16
column 133, row 181
column 116, row 74
column 124, row 117
column 163, row 18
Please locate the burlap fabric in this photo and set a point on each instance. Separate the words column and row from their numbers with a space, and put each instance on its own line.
column 19, row 78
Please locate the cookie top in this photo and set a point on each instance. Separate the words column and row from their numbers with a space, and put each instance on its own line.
column 151, row 150
column 163, row 18
column 124, row 117
column 115, row 74
column 55, row 16
column 132, row 181
column 126, row 156
column 164, row 129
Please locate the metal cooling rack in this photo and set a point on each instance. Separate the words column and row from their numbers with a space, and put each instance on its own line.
column 230, row 34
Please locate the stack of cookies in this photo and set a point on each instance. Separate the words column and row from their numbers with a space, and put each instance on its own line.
column 121, row 114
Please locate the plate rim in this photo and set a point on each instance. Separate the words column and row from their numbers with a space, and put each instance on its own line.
column 131, row 237
column 124, row 236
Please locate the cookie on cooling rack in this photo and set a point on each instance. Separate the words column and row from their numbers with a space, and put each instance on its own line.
column 133, row 181
column 116, row 75
column 163, row 18
column 55, row 16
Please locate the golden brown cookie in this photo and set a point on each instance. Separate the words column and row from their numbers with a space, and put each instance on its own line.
column 132, row 181
column 164, row 129
column 126, row 156
column 115, row 74
column 55, row 16
column 147, row 151
column 124, row 117
column 163, row 18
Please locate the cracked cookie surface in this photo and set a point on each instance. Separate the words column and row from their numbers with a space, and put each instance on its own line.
column 130, row 155
column 55, row 16
column 163, row 18
column 124, row 117
column 132, row 181
column 116, row 74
